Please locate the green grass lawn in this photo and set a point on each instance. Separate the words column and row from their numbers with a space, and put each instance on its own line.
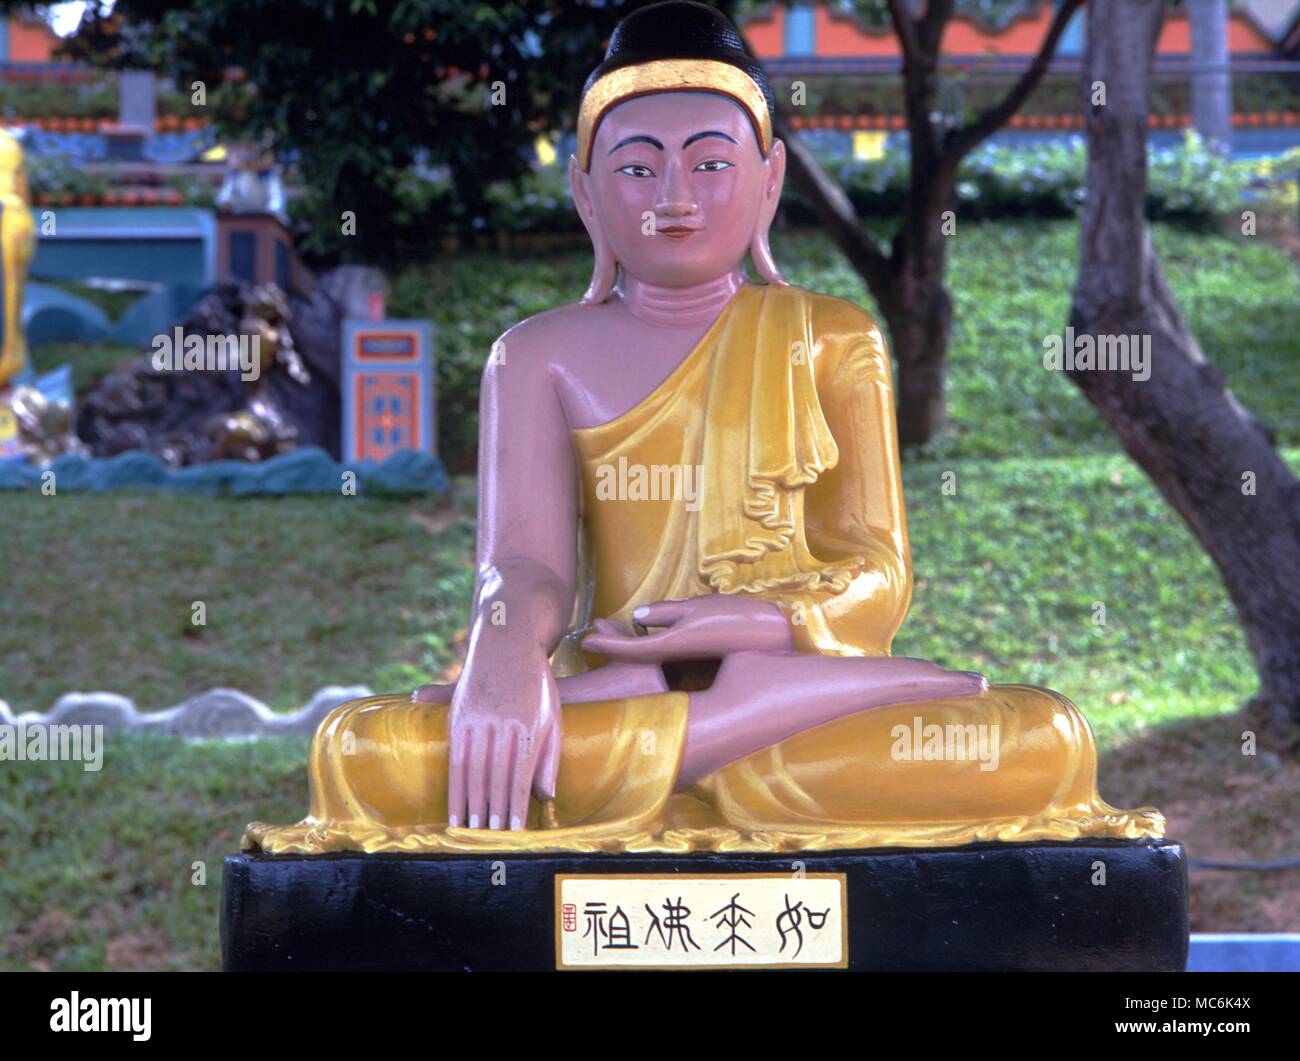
column 303, row 592
column 299, row 592
column 89, row 361
column 100, row 868
column 1048, row 521
column 1011, row 286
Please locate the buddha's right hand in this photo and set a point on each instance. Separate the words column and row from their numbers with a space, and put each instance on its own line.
column 504, row 739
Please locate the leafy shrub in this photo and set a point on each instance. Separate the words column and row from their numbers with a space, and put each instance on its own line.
column 1186, row 183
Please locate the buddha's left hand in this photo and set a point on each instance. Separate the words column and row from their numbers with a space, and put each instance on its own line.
column 698, row 628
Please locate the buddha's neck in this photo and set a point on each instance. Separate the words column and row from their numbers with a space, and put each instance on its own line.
column 679, row 306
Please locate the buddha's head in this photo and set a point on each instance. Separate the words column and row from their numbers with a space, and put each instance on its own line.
column 676, row 173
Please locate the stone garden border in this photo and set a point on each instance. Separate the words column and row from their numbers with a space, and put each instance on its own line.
column 216, row 713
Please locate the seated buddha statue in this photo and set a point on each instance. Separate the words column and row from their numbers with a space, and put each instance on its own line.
column 692, row 549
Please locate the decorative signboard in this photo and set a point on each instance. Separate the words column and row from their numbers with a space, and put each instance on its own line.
column 387, row 388
column 721, row 921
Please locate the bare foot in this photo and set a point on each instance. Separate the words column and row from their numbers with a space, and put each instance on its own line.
column 859, row 682
column 761, row 698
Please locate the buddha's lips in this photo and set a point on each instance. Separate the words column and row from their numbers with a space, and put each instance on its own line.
column 676, row 231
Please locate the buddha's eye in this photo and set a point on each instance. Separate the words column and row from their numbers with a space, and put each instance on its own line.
column 713, row 165
column 636, row 170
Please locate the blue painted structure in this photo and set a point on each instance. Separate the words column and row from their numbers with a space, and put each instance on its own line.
column 1244, row 952
column 171, row 249
column 388, row 387
column 309, row 470
column 801, row 30
column 52, row 315
column 170, row 146
column 1247, row 143
column 162, row 244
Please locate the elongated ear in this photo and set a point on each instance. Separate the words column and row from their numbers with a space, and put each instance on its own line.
column 759, row 248
column 605, row 269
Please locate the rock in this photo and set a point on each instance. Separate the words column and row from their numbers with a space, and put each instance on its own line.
column 317, row 325
column 109, row 710
column 318, row 320
column 138, row 408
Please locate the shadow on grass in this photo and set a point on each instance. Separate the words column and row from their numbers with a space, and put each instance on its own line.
column 121, row 869
column 1227, row 797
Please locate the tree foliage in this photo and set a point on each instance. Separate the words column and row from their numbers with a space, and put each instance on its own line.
column 360, row 92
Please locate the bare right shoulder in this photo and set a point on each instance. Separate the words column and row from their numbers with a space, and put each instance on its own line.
column 548, row 341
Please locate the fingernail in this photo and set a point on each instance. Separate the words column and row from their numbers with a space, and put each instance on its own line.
column 494, row 822
column 641, row 612
column 515, row 823
column 454, row 821
column 473, row 821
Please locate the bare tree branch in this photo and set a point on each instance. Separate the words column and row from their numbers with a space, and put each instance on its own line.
column 905, row 28
column 835, row 211
column 933, row 23
column 962, row 141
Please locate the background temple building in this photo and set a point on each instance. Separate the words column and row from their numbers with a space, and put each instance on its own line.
column 813, row 32
column 849, row 66
column 26, row 39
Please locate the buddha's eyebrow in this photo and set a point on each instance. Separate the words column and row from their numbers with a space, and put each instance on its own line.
column 700, row 136
column 637, row 140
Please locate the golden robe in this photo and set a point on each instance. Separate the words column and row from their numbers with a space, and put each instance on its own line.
column 767, row 464
column 17, row 246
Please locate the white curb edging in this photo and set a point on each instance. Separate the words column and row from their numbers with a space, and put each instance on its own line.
column 216, row 713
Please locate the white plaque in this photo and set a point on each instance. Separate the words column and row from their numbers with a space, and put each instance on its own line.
column 721, row 920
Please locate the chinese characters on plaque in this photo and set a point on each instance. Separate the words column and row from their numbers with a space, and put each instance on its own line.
column 669, row 920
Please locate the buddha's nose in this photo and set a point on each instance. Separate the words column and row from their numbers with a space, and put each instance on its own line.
column 676, row 199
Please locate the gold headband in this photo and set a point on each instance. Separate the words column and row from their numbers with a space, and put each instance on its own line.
column 671, row 75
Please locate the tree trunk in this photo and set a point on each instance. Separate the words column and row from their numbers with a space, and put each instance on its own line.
column 908, row 284
column 1209, row 458
column 918, row 312
column 1211, row 77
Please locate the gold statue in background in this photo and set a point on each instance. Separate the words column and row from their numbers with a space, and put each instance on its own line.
column 17, row 246
column 32, row 424
column 260, row 430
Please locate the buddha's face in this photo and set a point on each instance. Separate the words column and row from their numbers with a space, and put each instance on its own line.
column 678, row 186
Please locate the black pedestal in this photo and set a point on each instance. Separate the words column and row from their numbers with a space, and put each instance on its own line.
column 981, row 907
